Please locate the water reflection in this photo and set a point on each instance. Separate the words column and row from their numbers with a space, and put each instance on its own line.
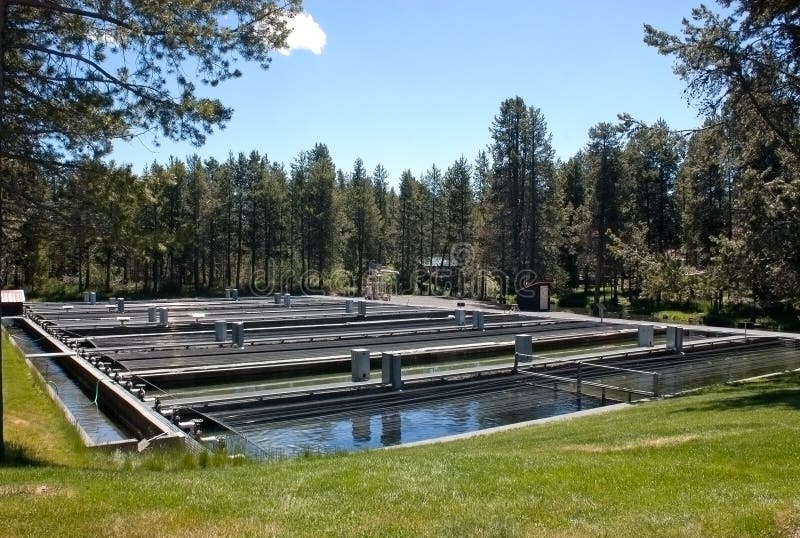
column 391, row 426
column 386, row 424
column 361, row 429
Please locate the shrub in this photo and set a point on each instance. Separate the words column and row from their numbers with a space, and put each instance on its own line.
column 573, row 300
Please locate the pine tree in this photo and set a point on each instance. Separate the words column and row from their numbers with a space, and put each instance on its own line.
column 603, row 173
column 410, row 213
column 651, row 160
column 379, row 179
column 509, row 132
column 572, row 178
column 704, row 192
column 363, row 220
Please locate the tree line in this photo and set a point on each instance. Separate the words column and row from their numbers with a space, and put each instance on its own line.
column 641, row 210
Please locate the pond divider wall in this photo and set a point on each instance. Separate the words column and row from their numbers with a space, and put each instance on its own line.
column 128, row 410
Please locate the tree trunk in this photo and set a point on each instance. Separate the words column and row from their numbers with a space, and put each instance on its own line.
column 88, row 268
column 228, row 244
column 211, row 254
column 239, row 248
column 108, row 271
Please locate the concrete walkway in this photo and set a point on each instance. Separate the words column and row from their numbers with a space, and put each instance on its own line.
column 427, row 301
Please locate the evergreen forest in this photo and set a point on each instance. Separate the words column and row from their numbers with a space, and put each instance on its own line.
column 643, row 215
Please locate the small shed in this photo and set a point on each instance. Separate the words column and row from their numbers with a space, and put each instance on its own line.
column 534, row 297
column 11, row 302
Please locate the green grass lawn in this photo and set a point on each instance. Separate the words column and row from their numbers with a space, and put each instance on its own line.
column 722, row 463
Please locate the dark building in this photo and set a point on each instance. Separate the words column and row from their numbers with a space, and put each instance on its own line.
column 11, row 302
column 534, row 297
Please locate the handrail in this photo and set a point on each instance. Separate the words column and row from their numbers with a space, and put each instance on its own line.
column 590, row 383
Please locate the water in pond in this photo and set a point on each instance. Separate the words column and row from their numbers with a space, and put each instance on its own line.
column 93, row 421
column 379, row 424
column 502, row 359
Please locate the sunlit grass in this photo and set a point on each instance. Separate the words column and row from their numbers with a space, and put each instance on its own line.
column 720, row 463
column 35, row 429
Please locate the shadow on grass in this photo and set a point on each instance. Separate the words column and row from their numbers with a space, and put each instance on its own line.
column 783, row 391
column 20, row 456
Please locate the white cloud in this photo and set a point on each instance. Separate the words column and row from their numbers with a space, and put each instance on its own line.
column 305, row 34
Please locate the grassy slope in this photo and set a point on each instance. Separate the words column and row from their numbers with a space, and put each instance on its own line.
column 35, row 428
column 723, row 463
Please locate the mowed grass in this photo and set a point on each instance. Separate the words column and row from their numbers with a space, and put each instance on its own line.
column 722, row 463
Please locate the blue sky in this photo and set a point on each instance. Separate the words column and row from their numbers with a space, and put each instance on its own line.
column 415, row 82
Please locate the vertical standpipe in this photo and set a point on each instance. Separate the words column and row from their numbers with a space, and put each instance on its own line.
column 477, row 320
column 359, row 364
column 644, row 337
column 675, row 339
column 391, row 370
column 220, row 330
column 523, row 349
column 237, row 333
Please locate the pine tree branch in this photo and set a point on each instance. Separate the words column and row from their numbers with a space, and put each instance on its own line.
column 52, row 6
column 136, row 89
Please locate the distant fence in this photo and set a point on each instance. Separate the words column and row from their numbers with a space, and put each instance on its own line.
column 669, row 375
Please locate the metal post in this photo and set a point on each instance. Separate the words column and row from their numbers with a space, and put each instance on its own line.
column 397, row 372
column 477, row 320
column 645, row 336
column 359, row 364
column 675, row 339
column 391, row 370
column 220, row 330
column 655, row 384
column 386, row 368
column 578, row 380
column 523, row 349
column 237, row 334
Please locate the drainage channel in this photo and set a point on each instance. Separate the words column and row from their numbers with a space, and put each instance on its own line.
column 97, row 428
